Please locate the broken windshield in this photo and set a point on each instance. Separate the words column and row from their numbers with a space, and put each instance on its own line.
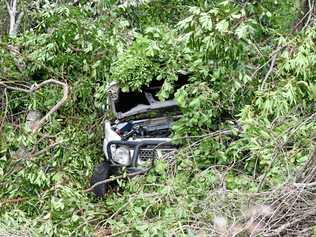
column 145, row 102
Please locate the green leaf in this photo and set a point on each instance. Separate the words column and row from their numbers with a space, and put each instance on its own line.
column 222, row 26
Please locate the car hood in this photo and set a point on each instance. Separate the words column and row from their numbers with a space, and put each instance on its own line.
column 144, row 109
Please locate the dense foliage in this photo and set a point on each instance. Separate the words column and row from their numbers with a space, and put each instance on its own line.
column 248, row 108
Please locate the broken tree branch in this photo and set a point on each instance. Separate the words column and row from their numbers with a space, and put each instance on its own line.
column 34, row 88
column 14, row 88
column 40, row 123
column 113, row 179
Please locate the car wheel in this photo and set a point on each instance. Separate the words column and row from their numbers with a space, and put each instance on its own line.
column 101, row 172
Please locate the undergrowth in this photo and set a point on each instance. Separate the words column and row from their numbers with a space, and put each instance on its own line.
column 248, row 107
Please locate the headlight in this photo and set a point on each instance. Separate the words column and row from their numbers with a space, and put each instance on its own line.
column 122, row 156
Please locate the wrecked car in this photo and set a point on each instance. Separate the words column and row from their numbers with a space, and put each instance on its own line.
column 136, row 133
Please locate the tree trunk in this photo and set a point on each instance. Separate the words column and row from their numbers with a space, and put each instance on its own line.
column 15, row 18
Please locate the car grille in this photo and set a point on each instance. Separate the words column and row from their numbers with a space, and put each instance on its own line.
column 145, row 154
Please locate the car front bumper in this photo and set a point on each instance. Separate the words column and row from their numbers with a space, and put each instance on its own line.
column 136, row 148
column 140, row 149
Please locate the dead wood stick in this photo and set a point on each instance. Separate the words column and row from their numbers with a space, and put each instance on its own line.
column 305, row 185
column 5, row 85
column 283, row 227
column 12, row 200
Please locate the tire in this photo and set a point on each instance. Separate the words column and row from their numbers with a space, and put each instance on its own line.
column 101, row 172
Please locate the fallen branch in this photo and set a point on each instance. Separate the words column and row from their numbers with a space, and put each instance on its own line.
column 6, row 85
column 34, row 88
column 304, row 185
column 112, row 179
column 40, row 123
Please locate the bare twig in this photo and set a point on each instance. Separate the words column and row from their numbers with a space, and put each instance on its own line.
column 297, row 25
column 305, row 185
column 8, row 86
column 280, row 145
column 308, row 172
column 270, row 70
column 275, row 52
column 5, row 110
column 309, row 13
